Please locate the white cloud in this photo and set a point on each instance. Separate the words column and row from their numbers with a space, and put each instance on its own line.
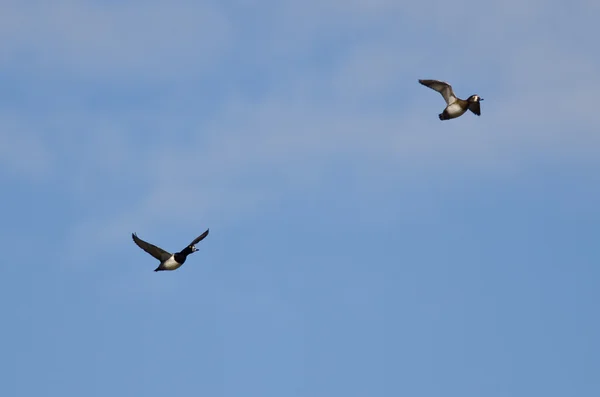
column 339, row 86
column 115, row 39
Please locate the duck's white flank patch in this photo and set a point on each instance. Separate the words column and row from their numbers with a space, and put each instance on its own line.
column 171, row 264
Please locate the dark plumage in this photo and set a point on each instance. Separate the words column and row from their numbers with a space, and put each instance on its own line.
column 167, row 260
column 455, row 106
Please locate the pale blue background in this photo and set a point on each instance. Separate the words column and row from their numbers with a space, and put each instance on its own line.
column 358, row 245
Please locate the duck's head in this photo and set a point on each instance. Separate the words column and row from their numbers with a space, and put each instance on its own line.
column 193, row 248
column 474, row 98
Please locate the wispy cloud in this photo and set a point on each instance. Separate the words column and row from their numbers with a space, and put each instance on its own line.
column 260, row 106
column 99, row 40
column 23, row 152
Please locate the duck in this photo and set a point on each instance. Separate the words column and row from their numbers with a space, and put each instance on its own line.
column 167, row 260
column 456, row 107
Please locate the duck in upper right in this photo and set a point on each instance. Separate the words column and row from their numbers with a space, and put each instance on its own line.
column 456, row 107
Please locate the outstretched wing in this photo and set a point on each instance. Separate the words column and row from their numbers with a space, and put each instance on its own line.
column 442, row 87
column 153, row 250
column 199, row 238
column 475, row 108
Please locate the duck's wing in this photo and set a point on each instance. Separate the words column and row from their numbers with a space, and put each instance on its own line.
column 442, row 87
column 153, row 250
column 199, row 238
column 475, row 108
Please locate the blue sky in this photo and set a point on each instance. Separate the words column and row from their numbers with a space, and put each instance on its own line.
column 358, row 245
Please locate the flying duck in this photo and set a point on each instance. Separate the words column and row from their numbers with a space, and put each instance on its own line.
column 167, row 260
column 456, row 106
